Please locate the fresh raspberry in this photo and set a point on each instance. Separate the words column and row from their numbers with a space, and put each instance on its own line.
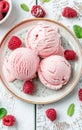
column 1, row 6
column 80, row 94
column 9, row 120
column 37, row 11
column 70, row 54
column 1, row 16
column 4, row 14
column 69, row 12
column 51, row 114
column 14, row 43
column 4, row 6
column 28, row 87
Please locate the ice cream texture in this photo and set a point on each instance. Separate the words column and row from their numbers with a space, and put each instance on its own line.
column 21, row 64
column 45, row 39
column 54, row 71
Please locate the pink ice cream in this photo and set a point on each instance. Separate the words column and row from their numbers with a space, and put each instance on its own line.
column 54, row 71
column 60, row 51
column 22, row 64
column 45, row 39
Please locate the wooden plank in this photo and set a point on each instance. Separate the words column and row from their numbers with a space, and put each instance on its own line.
column 23, row 112
column 63, row 122
column 54, row 10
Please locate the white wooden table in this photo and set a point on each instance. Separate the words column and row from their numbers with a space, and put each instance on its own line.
column 32, row 117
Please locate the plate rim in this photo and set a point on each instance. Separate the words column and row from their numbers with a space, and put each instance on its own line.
column 52, row 21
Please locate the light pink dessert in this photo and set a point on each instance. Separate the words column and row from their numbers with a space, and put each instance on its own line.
column 54, row 71
column 60, row 51
column 45, row 39
column 22, row 64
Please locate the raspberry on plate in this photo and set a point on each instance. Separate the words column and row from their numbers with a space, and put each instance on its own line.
column 37, row 11
column 4, row 6
column 51, row 114
column 14, row 43
column 9, row 120
column 70, row 54
column 28, row 87
column 80, row 94
column 69, row 12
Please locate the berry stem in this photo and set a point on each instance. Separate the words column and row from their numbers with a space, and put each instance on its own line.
column 36, row 2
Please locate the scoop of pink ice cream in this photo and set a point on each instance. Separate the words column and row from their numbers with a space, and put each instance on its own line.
column 60, row 51
column 44, row 38
column 54, row 71
column 22, row 64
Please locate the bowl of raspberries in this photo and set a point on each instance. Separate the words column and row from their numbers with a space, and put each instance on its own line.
column 5, row 10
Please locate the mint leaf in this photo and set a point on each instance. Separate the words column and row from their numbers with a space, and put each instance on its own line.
column 45, row 0
column 25, row 7
column 71, row 109
column 3, row 112
column 78, row 31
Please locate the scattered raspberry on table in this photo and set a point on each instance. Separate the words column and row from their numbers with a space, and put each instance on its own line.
column 28, row 87
column 80, row 94
column 38, row 11
column 9, row 120
column 14, row 42
column 69, row 12
column 70, row 55
column 51, row 114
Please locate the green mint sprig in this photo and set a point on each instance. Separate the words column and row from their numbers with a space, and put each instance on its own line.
column 25, row 7
column 3, row 112
column 45, row 0
column 78, row 31
column 71, row 109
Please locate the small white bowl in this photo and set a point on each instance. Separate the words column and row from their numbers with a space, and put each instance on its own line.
column 8, row 13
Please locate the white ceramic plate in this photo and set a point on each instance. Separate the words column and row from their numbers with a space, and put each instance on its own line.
column 42, row 94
